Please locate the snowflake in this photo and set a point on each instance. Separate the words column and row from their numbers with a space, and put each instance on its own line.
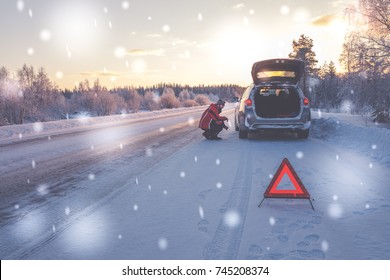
column 163, row 244
column 201, row 212
column 324, row 246
column 125, row 5
column 232, row 218
column 166, row 28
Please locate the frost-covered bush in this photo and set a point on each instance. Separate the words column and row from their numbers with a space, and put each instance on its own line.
column 151, row 101
column 202, row 99
column 168, row 99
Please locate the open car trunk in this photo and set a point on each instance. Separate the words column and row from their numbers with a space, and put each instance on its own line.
column 277, row 103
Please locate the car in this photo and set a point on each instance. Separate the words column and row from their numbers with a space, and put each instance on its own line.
column 274, row 101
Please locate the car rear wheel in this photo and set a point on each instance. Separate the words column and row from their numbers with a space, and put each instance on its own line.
column 242, row 134
column 303, row 134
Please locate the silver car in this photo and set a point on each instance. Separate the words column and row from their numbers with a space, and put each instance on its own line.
column 274, row 102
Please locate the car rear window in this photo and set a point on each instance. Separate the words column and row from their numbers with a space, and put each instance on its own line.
column 274, row 91
column 269, row 74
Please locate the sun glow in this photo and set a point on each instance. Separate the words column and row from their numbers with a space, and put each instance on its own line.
column 74, row 25
column 238, row 45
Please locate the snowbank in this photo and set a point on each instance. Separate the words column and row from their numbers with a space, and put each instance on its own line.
column 371, row 141
column 32, row 130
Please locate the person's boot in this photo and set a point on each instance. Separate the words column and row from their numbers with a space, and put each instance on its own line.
column 215, row 137
column 206, row 135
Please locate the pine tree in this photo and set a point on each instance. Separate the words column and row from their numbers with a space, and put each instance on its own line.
column 303, row 49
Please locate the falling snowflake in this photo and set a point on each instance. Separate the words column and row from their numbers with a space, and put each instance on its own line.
column 182, row 174
column 270, row 176
column 335, row 197
column 367, row 206
column 335, row 211
column 120, row 52
column 110, row 24
column 38, row 127
column 272, row 221
column 219, row 185
column 92, row 147
column 136, row 180
column 149, row 18
column 149, row 152
column 105, row 10
column 33, row 164
column 59, row 75
column 16, row 206
column 324, row 246
column 20, row 135
column 30, row 13
column 91, row 176
column 45, row 35
column 166, row 28
column 196, row 159
column 125, row 5
column 162, row 129
column 200, row 17
column 285, row 10
column 370, row 165
column 20, row 5
column 299, row 155
column 135, row 207
column 217, row 161
column 165, row 192
column 121, row 146
column 67, row 211
column 191, row 120
column 163, row 244
column 251, row 12
column 201, row 212
column 150, row 187
column 232, row 218
column 43, row 189
column 30, row 51
column 373, row 147
column 337, row 157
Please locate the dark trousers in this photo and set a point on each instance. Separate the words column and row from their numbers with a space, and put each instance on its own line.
column 215, row 128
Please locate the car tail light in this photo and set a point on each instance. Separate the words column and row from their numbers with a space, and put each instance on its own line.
column 248, row 102
column 306, row 101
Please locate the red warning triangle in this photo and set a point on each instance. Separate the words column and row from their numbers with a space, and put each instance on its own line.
column 286, row 168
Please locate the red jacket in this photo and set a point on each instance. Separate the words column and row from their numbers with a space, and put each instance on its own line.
column 211, row 113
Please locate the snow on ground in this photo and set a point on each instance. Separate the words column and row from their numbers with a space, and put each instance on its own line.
column 350, row 131
column 202, row 202
column 14, row 133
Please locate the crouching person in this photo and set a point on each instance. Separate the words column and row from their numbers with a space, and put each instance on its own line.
column 211, row 122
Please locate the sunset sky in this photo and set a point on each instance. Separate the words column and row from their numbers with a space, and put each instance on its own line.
column 144, row 42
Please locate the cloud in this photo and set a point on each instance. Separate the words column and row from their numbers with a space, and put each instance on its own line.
column 324, row 20
column 154, row 35
column 100, row 73
column 239, row 6
column 143, row 52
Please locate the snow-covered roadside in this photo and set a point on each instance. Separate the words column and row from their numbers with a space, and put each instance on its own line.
column 41, row 129
column 372, row 141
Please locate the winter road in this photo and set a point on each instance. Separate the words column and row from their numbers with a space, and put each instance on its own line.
column 156, row 189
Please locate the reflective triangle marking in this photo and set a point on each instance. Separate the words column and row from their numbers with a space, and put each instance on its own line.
column 286, row 168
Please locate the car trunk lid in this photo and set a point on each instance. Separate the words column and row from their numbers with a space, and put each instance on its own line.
column 277, row 70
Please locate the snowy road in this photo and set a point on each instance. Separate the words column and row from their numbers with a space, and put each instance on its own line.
column 156, row 189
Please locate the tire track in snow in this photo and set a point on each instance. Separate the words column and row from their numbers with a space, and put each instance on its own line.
column 226, row 241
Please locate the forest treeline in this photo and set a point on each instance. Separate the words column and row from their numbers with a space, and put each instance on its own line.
column 363, row 87
column 31, row 97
